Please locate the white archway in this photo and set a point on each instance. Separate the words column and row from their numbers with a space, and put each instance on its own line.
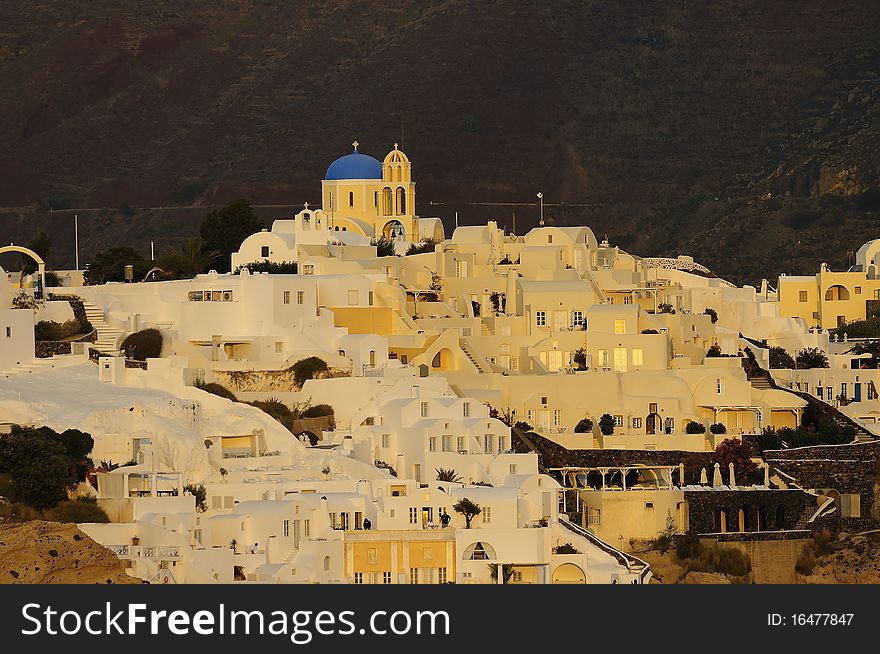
column 41, row 265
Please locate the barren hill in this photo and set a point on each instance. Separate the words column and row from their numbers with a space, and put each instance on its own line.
column 664, row 124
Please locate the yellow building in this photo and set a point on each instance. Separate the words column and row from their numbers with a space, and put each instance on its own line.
column 375, row 198
column 400, row 556
column 828, row 299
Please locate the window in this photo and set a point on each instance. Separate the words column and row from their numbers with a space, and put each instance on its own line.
column 514, row 363
column 386, row 577
column 638, row 356
column 802, row 296
column 487, row 515
column 358, row 577
column 636, row 423
column 858, row 290
column 512, row 468
column 487, row 444
column 286, row 528
column 618, row 421
column 620, row 326
column 461, row 445
column 264, row 251
column 627, row 299
column 352, row 297
column 603, row 359
column 9, row 332
column 501, row 447
column 541, row 318
column 309, row 269
column 557, row 417
column 386, row 440
column 300, row 297
column 307, row 528
column 424, row 409
column 286, row 297
column 413, row 575
column 719, row 386
column 441, row 575
column 432, row 444
column 350, row 199
column 843, row 390
column 819, row 392
column 279, row 347
column 466, row 410
column 620, row 359
column 413, row 516
column 577, row 318
column 649, row 505
column 872, row 392
column 372, row 555
column 446, row 442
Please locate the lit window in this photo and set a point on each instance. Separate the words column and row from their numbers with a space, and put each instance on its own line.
column 638, row 357
column 858, row 290
column 441, row 575
column 620, row 326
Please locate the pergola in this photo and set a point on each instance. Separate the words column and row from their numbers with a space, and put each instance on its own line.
column 41, row 265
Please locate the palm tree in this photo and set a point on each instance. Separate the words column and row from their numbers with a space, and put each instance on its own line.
column 444, row 474
column 190, row 258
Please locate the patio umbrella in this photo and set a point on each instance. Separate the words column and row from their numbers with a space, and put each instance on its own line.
column 704, row 478
column 716, row 476
column 732, row 477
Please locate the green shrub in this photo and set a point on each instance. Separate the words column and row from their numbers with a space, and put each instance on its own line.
column 271, row 267
column 201, row 495
column 79, row 511
column 780, row 358
column 307, row 369
column 606, row 424
column 522, row 425
column 717, row 428
column 724, row 560
column 584, row 426
column 215, row 389
column 712, row 313
column 714, row 351
column 566, row 548
column 48, row 330
column 695, row 428
column 143, row 345
column 276, row 409
column 18, row 512
column 318, row 411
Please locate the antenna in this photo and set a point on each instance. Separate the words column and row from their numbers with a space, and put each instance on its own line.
column 456, row 220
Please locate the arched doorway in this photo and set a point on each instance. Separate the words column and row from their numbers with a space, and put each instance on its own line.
column 569, row 573
column 743, row 519
column 400, row 200
column 387, row 201
column 41, row 265
column 394, row 230
column 721, row 521
column 443, row 360
column 652, row 423
column 836, row 292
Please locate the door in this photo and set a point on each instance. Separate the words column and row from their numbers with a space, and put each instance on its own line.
column 544, row 419
column 857, row 392
column 560, row 320
column 620, row 359
column 554, row 360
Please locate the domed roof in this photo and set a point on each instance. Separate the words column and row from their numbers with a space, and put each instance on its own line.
column 355, row 166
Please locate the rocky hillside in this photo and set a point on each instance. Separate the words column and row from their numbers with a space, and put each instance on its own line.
column 40, row 552
column 740, row 131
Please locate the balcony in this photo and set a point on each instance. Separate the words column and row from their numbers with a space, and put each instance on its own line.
column 155, row 552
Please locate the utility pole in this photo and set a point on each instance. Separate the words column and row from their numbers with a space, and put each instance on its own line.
column 76, row 239
column 541, row 200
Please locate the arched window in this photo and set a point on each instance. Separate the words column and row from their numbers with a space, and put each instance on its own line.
column 330, row 201
column 372, row 357
column 344, row 229
column 336, row 228
column 436, row 362
column 350, row 198
column 386, row 201
column 479, row 552
column 401, row 201
column 836, row 292
column 376, row 199
column 399, row 172
column 326, row 563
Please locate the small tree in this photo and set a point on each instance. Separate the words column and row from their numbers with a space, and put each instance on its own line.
column 584, row 426
column 712, row 313
column 224, row 230
column 384, row 246
column 468, row 509
column 450, row 475
column 714, row 351
column 695, row 428
column 717, row 428
column 665, row 307
column 812, row 357
column 143, row 345
column 201, row 495
column 732, row 450
column 580, row 358
column 780, row 358
column 308, row 368
column 606, row 424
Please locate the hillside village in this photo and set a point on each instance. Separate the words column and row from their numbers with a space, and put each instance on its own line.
column 364, row 399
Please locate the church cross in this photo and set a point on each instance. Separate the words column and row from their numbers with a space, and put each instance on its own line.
column 355, row 144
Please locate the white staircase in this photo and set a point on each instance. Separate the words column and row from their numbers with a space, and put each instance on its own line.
column 478, row 361
column 108, row 337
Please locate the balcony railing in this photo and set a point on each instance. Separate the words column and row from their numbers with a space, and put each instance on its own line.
column 160, row 552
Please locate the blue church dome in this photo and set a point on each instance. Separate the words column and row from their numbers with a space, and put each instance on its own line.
column 355, row 166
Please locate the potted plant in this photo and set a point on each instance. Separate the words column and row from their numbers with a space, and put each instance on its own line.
column 135, row 540
column 233, row 545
